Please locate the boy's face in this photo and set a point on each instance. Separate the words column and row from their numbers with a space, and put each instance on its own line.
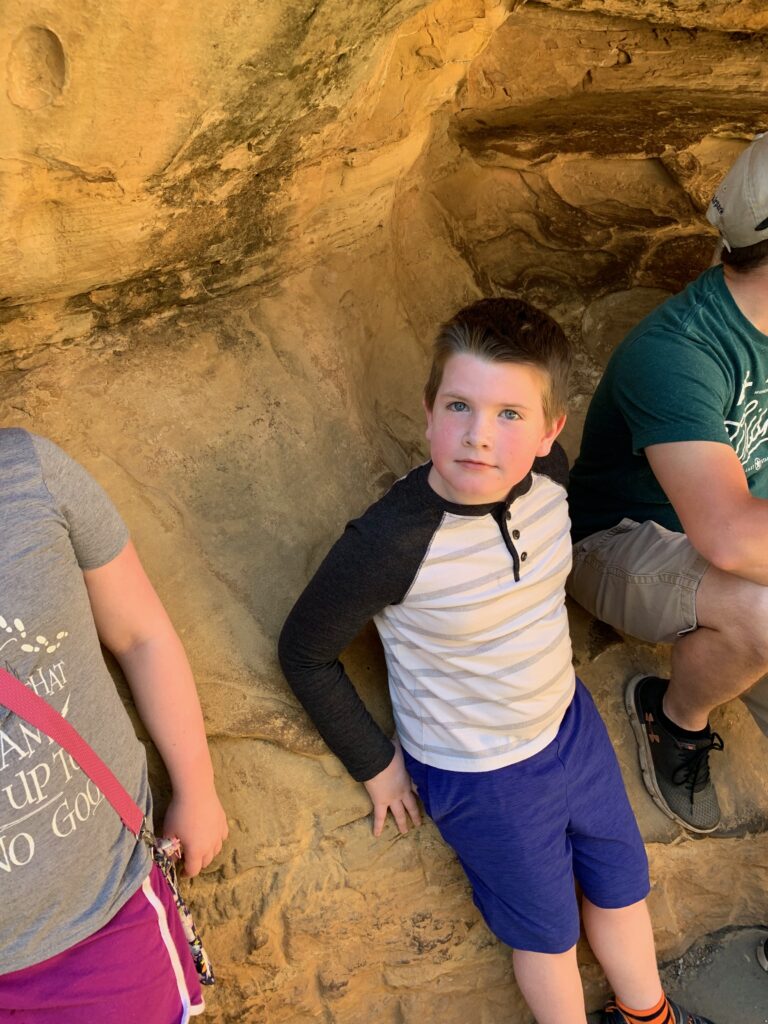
column 486, row 427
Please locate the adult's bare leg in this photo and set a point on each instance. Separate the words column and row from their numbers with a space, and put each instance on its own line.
column 725, row 656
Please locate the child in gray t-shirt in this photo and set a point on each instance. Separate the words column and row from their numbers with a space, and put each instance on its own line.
column 70, row 580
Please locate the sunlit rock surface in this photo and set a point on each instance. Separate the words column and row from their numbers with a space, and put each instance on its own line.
column 228, row 233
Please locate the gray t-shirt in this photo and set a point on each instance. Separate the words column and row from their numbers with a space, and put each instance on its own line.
column 67, row 863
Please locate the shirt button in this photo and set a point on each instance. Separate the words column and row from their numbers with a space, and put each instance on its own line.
column 515, row 535
column 523, row 556
column 508, row 514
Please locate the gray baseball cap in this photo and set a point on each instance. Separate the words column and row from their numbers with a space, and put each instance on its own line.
column 739, row 208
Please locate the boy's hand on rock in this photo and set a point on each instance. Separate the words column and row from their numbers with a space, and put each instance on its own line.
column 393, row 790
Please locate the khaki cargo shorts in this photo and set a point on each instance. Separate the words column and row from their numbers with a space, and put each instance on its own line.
column 642, row 579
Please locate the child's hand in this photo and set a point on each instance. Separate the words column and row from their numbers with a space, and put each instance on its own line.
column 199, row 821
column 393, row 790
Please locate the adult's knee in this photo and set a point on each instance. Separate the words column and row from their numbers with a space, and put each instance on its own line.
column 738, row 610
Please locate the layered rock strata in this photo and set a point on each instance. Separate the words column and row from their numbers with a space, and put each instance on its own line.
column 228, row 235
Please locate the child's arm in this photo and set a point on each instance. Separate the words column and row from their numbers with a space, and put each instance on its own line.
column 361, row 575
column 132, row 622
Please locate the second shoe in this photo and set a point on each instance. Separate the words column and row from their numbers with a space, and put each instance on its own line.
column 675, row 771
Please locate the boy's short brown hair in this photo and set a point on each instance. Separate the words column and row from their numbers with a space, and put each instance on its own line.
column 506, row 331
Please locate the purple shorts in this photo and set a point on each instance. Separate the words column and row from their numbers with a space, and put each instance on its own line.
column 136, row 968
column 524, row 832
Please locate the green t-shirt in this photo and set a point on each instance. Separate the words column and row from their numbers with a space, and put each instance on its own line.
column 695, row 369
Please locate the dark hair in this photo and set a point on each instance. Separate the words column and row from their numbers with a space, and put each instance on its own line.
column 747, row 257
column 506, row 331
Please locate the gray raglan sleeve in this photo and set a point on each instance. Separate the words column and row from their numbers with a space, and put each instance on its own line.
column 369, row 567
column 97, row 532
column 554, row 465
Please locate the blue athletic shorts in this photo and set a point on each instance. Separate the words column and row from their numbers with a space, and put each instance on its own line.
column 524, row 832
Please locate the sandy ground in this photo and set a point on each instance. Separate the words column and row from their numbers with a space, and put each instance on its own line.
column 721, row 978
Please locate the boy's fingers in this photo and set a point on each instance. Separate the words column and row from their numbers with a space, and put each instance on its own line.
column 379, row 817
column 401, row 809
column 413, row 808
column 398, row 813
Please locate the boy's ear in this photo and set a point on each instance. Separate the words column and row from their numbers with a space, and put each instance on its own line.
column 428, row 413
column 548, row 439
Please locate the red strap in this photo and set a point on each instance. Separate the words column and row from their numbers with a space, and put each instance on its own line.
column 25, row 703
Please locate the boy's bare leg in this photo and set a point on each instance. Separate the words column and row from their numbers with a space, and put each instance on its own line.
column 622, row 941
column 726, row 655
column 551, row 986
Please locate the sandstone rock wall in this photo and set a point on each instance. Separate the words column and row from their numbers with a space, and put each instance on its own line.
column 228, row 232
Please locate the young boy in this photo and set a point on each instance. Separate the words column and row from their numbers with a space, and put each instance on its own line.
column 462, row 566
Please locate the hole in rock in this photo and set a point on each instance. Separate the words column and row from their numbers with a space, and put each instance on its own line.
column 37, row 68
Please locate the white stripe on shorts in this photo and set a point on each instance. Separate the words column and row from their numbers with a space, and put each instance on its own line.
column 187, row 1010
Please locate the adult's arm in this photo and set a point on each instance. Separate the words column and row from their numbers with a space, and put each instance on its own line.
column 132, row 623
column 706, row 484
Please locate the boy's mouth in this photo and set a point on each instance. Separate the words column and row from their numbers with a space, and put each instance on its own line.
column 475, row 464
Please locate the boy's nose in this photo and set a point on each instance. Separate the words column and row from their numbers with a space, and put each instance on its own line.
column 478, row 434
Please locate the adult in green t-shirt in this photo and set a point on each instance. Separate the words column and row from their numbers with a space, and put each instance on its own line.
column 669, row 500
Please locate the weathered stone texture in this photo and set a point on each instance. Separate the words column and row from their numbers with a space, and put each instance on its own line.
column 228, row 232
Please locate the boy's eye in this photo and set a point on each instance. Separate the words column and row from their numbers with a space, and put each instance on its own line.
column 509, row 414
column 458, row 406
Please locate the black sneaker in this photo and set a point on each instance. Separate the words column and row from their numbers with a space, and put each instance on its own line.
column 675, row 772
column 613, row 1015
